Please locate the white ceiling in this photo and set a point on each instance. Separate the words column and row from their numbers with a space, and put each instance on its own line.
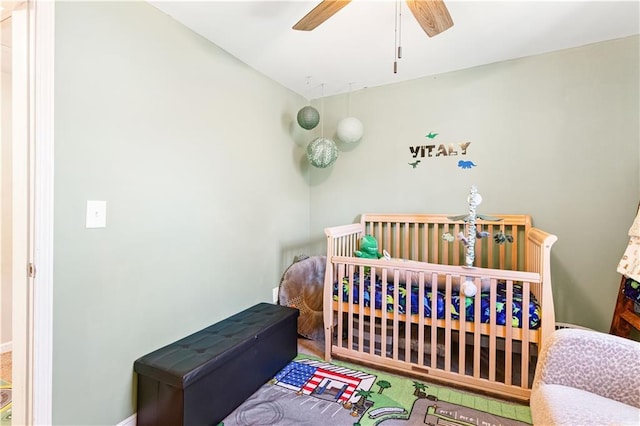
column 355, row 48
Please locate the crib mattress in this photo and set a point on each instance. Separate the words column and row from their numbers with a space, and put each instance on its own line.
column 469, row 302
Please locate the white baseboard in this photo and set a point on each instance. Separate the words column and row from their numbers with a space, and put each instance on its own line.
column 130, row 421
column 6, row 347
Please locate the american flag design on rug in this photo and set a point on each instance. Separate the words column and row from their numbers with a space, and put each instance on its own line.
column 323, row 380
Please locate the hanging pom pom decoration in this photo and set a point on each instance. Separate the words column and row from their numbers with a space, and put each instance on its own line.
column 474, row 199
column 308, row 117
column 468, row 287
column 350, row 130
column 322, row 152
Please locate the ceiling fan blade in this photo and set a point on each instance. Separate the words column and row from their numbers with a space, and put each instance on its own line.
column 432, row 15
column 323, row 11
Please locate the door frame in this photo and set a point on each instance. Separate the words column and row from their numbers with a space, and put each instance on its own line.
column 43, row 125
column 33, row 303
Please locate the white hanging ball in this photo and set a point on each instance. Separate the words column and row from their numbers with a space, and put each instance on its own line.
column 350, row 130
column 477, row 198
column 469, row 288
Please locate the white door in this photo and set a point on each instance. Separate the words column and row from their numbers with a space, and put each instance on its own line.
column 17, row 210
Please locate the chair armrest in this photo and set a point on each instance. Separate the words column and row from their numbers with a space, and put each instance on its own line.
column 599, row 363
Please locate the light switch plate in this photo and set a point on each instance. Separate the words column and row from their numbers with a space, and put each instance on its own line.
column 96, row 214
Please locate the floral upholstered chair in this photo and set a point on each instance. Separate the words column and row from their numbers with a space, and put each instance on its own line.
column 587, row 378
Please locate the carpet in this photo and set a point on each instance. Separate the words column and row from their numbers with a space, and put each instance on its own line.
column 5, row 403
column 309, row 391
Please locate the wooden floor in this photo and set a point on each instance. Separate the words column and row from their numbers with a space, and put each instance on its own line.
column 310, row 347
column 5, row 366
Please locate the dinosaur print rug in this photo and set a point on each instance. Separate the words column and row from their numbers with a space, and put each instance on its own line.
column 5, row 403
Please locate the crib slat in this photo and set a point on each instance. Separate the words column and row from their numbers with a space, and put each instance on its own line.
column 396, row 306
column 492, row 333
column 524, row 362
column 385, row 314
column 447, row 251
column 421, row 294
column 501, row 257
column 447, row 327
column 492, row 249
column 458, row 249
column 424, row 242
column 405, row 253
column 508, row 347
column 387, row 237
column 350, row 311
column 372, row 318
column 479, row 252
column 361, row 314
column 407, row 327
column 435, row 242
column 434, row 314
column 415, row 253
column 341, row 273
column 462, row 337
column 476, row 332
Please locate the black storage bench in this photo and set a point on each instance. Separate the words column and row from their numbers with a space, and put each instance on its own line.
column 202, row 378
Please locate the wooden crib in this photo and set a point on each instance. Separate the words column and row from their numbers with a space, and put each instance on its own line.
column 394, row 329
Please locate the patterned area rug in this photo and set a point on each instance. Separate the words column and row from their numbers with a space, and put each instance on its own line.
column 5, row 403
column 312, row 392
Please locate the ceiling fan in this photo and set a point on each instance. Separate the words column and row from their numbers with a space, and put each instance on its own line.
column 432, row 15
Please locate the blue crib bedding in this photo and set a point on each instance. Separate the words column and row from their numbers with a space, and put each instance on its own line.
column 631, row 289
column 469, row 302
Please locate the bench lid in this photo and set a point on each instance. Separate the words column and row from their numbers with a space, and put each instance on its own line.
column 195, row 356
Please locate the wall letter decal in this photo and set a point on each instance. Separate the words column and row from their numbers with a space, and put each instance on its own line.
column 464, row 146
column 441, row 151
column 414, row 151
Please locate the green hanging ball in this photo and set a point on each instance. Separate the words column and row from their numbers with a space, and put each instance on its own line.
column 322, row 152
column 308, row 117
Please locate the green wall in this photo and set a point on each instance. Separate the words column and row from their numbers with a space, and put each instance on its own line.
column 555, row 136
column 195, row 155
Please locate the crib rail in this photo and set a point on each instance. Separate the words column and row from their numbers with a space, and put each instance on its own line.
column 538, row 259
column 421, row 237
column 484, row 356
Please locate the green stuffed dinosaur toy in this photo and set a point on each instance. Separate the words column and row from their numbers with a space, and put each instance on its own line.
column 368, row 248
